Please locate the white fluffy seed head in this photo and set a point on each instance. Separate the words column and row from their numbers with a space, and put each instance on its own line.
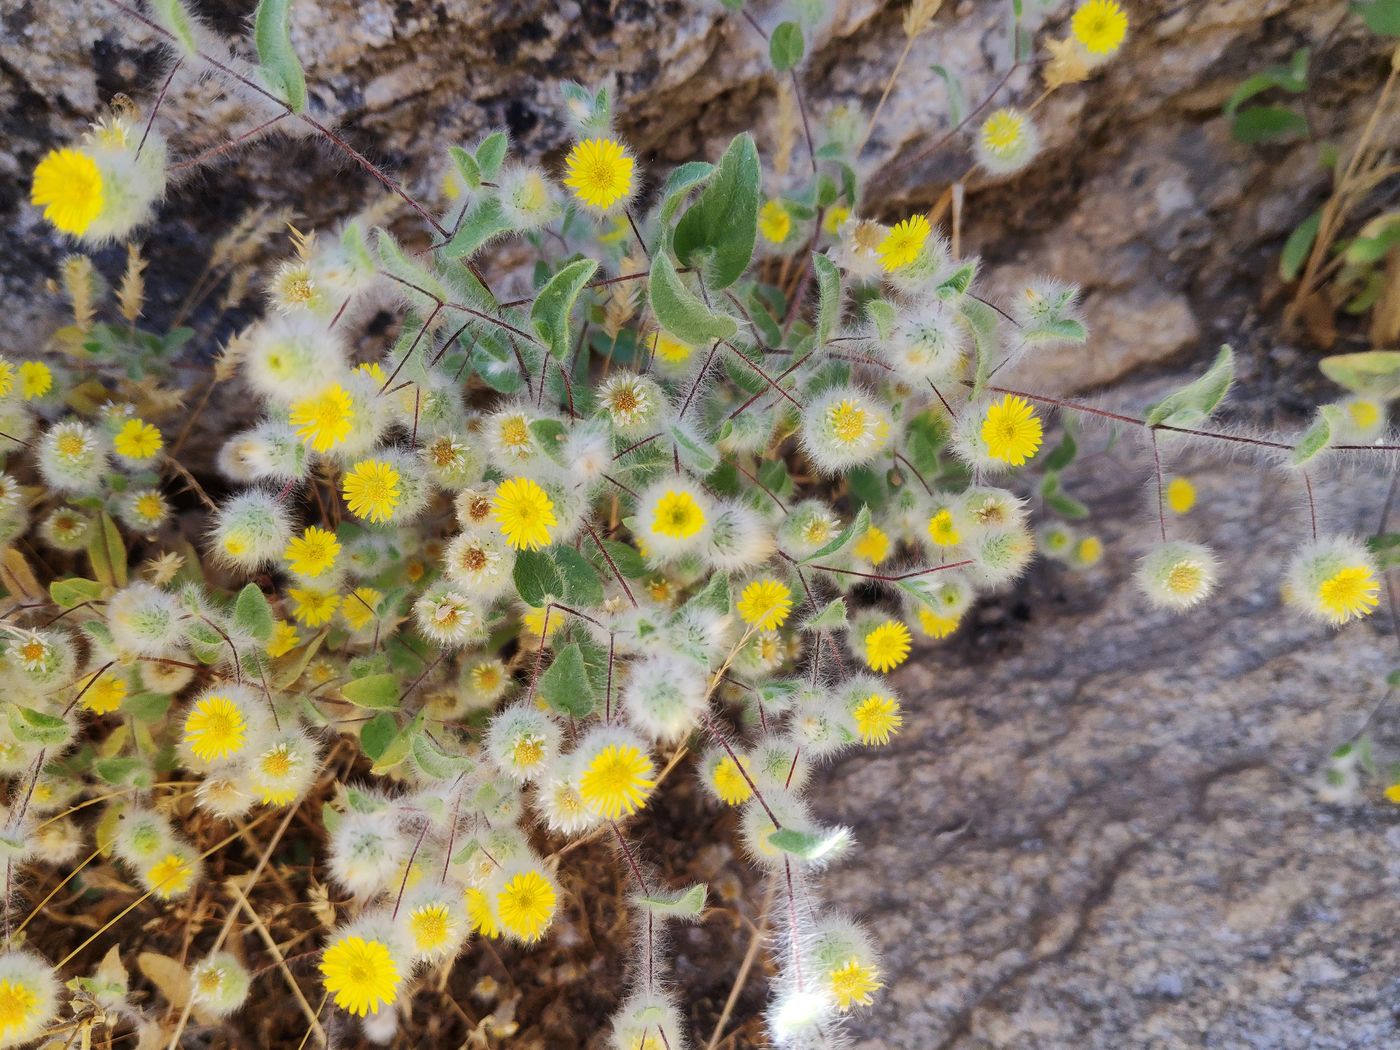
column 251, row 529
column 1177, row 574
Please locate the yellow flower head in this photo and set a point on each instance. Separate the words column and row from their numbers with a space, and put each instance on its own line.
column 1364, row 414
column 847, row 421
column 525, row 513
column 35, row 379
column 873, row 546
column 313, row 606
column 886, row 646
column 617, row 781
column 1349, row 593
column 836, row 217
column 677, row 515
column 479, row 913
column 765, row 604
column 277, row 766
column 903, row 244
column 371, row 489
column 360, row 607
column 526, row 905
column 1011, row 430
column 7, row 378
column 313, row 552
column 853, row 983
column 170, row 876
column 774, row 222
column 1004, row 132
column 431, row 926
column 17, row 1005
column 943, row 530
column 324, row 419
column 215, row 728
column 1181, row 495
column 68, row 186
column 730, row 783
column 361, row 974
column 600, row 173
column 1089, row 551
column 877, row 718
column 137, row 439
column 1099, row 25
column 148, row 506
column 672, row 350
column 935, row 625
column 284, row 639
column 104, row 693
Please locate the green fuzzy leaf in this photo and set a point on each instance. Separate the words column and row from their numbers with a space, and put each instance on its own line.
column 957, row 104
column 537, row 579
column 686, row 904
column 37, row 727
column 882, row 315
column 828, row 296
column 375, row 736
column 173, row 17
column 849, row 533
column 1056, row 330
column 1195, row 402
column 491, row 154
column 147, row 707
column 107, row 553
column 680, row 311
column 680, row 182
column 555, row 303
column 1318, row 436
column 785, row 46
column 72, row 592
column 582, row 585
column 272, row 35
column 958, row 282
column 467, row 167
column 436, row 763
column 1375, row 373
column 565, row 685
column 1265, row 123
column 628, row 559
column 1380, row 16
column 717, row 233
column 251, row 613
column 1292, row 78
column 399, row 747
column 1063, row 454
column 713, row 597
column 378, row 692
column 696, row 455
column 549, row 434
column 484, row 220
column 809, row 845
column 123, row 771
column 832, row 617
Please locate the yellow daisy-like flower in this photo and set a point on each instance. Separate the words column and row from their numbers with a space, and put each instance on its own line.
column 215, row 728
column 600, row 173
column 361, row 975
column 534, row 622
column 877, row 719
column 431, row 926
column 1181, row 495
column 847, row 421
column 672, row 350
column 526, row 905
column 360, row 607
column 170, row 876
column 1100, row 25
column 313, row 606
column 105, row 694
column 942, row 529
column 313, row 552
column 7, row 378
column 68, row 186
column 853, row 983
column 35, row 379
column 1011, row 430
column 276, row 765
column 1089, row 551
column 371, row 489
column 765, row 604
column 137, row 439
column 325, row 419
column 1003, row 132
column 1365, row 414
column 774, row 222
column 284, row 639
column 836, row 216
column 730, row 783
column 149, row 506
column 902, row 245
column 678, row 515
column 17, row 1005
column 873, row 545
column 525, row 513
column 1350, row 593
column 936, row 625
column 617, row 781
column 479, row 913
column 1392, row 793
column 886, row 646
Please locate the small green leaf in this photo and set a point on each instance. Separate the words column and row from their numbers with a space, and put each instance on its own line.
column 399, row 747
column 484, row 219
column 251, row 613
column 582, row 585
column 882, row 315
column 785, row 46
column 555, row 303
column 1298, row 247
column 107, row 553
column 810, row 845
column 1195, row 402
column 1375, row 373
column 467, row 167
column 1292, row 78
column 375, row 736
column 123, row 771
column 1318, row 436
column 680, row 311
column 147, row 707
column 491, row 154
column 1063, row 454
column 537, row 579
column 956, row 103
column 175, row 20
column 686, row 904
column 1385, row 548
column 717, row 232
column 565, row 685
column 37, row 727
column 379, row 692
column 628, row 559
column 849, row 533
column 713, row 597
column 832, row 617
column 1265, row 123
column 828, row 296
column 272, row 35
column 1380, row 16
column 696, row 455
column 680, row 182
column 72, row 592
column 434, row 761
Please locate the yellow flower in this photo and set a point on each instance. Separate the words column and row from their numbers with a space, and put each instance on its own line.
column 877, row 719
column 672, row 350
column 1349, row 593
column 7, row 378
column 431, row 926
column 836, row 215
column 600, row 173
column 730, row 783
column 1011, row 431
column 765, row 604
column 853, row 983
column 360, row 974
column 1090, row 550
column 873, row 546
column 149, row 507
column 137, row 439
column 1365, row 414
column 677, row 515
column 1181, row 495
column 942, row 530
column 847, row 420
column 886, row 646
column 371, row 489
column 525, row 513
column 35, row 379
column 1003, row 132
column 936, row 625
column 68, row 186
column 215, row 728
column 526, row 905
column 17, row 1005
column 325, row 419
column 533, row 622
column 313, row 552
column 104, row 693
column 170, row 877
column 617, row 781
column 312, row 605
column 774, row 222
column 479, row 913
column 284, row 639
column 902, row 245
column 1392, row 793
column 1100, row 25
column 360, row 607
column 276, row 765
